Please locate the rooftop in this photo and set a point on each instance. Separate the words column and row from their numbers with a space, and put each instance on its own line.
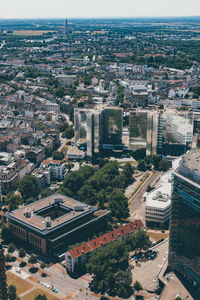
column 191, row 160
column 161, row 197
column 50, row 212
column 106, row 238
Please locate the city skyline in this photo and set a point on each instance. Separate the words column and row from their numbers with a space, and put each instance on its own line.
column 88, row 9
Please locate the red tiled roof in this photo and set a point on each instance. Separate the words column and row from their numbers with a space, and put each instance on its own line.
column 49, row 161
column 106, row 238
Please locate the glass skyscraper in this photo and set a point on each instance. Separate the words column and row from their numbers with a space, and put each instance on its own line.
column 137, row 130
column 100, row 127
column 112, row 118
column 184, row 244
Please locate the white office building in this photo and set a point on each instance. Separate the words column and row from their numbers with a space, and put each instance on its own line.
column 158, row 202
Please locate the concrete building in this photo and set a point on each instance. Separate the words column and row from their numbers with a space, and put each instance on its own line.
column 158, row 202
column 75, row 153
column 66, row 80
column 50, row 225
column 77, row 257
column 184, row 243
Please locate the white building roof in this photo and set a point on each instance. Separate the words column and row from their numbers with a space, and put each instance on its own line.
column 161, row 197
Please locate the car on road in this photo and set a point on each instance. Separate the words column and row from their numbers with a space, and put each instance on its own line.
column 54, row 290
column 153, row 255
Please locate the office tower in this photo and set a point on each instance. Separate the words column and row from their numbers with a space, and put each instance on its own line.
column 184, row 242
column 100, row 128
column 94, row 132
column 145, row 131
column 137, row 130
column 177, row 132
column 112, row 118
column 80, row 123
column 3, row 285
column 66, row 26
column 152, row 132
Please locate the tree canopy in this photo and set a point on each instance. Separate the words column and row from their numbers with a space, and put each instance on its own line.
column 109, row 265
column 29, row 187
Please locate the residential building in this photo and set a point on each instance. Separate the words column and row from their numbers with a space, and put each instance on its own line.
column 77, row 257
column 66, row 80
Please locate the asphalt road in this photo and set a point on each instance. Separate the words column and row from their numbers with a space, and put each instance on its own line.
column 137, row 204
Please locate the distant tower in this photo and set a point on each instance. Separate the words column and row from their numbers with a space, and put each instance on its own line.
column 66, row 27
column 3, row 285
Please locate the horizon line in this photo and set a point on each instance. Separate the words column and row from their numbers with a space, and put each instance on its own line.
column 99, row 18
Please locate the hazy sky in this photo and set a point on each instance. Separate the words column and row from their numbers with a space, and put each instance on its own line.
column 97, row 8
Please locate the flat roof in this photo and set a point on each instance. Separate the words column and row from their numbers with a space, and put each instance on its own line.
column 38, row 222
column 164, row 189
column 191, row 160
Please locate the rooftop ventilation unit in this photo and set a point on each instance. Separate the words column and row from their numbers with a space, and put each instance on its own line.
column 58, row 200
column 78, row 207
column 27, row 212
column 48, row 221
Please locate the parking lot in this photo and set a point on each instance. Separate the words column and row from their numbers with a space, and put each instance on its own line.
column 146, row 272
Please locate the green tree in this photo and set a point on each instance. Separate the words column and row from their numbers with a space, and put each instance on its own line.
column 12, row 292
column 141, row 165
column 11, row 248
column 138, row 240
column 5, row 233
column 12, row 201
column 42, row 265
column 32, row 259
column 164, row 165
column 118, row 204
column 8, row 257
column 22, row 253
column 29, row 187
column 137, row 286
column 57, row 155
column 63, row 126
column 69, row 132
column 109, row 265
column 41, row 297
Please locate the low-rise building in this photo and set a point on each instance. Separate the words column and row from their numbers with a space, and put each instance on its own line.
column 50, row 225
column 158, row 202
column 75, row 153
column 77, row 257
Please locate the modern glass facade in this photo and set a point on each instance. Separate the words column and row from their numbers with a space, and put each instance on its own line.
column 152, row 133
column 177, row 132
column 112, row 126
column 101, row 128
column 137, row 130
column 184, row 243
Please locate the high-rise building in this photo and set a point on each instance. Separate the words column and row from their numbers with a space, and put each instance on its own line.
column 160, row 132
column 184, row 243
column 66, row 26
column 137, row 130
column 112, row 118
column 3, row 285
column 100, row 128
column 177, row 132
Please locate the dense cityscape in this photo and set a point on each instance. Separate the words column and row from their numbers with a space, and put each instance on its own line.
column 100, row 159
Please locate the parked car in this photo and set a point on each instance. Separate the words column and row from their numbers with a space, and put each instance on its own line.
column 54, row 290
column 153, row 255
